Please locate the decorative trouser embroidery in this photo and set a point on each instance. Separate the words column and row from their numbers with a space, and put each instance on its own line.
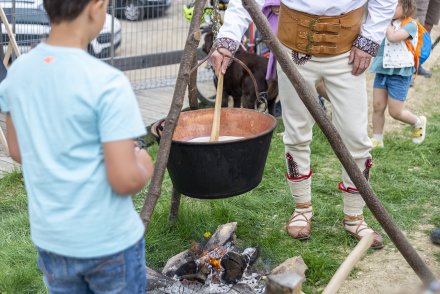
column 292, row 167
column 368, row 165
column 365, row 165
column 300, row 58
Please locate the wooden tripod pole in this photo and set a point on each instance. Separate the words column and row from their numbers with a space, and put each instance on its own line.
column 335, row 140
column 189, row 53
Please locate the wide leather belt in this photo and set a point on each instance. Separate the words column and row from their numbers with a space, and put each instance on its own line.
column 318, row 35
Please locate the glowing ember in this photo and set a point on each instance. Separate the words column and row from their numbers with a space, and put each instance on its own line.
column 215, row 263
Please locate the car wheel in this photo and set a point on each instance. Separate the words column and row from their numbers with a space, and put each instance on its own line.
column 133, row 10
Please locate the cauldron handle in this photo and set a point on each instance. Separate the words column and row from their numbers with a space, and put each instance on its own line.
column 159, row 128
column 259, row 96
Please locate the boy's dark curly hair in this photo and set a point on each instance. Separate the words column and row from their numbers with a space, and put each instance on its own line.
column 64, row 10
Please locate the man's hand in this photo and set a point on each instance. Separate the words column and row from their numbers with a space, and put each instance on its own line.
column 360, row 60
column 217, row 59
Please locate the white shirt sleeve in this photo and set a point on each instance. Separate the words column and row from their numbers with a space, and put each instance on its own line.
column 236, row 20
column 380, row 13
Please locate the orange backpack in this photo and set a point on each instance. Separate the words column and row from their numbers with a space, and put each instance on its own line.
column 424, row 43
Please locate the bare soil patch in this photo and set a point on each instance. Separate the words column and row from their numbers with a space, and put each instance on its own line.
column 386, row 271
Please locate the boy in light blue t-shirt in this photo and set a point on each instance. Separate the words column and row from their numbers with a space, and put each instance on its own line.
column 71, row 120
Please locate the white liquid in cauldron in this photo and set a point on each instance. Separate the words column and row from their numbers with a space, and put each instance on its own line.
column 220, row 138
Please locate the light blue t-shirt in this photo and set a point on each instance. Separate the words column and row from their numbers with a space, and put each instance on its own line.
column 377, row 64
column 65, row 104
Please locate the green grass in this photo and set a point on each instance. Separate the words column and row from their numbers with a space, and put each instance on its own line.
column 405, row 177
column 18, row 270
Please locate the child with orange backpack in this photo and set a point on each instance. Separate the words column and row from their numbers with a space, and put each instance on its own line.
column 394, row 65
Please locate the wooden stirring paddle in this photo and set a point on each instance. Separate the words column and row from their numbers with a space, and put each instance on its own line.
column 215, row 131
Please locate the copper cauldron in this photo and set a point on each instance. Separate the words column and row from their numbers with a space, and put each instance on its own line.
column 210, row 170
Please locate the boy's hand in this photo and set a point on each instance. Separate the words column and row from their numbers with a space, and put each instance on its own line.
column 128, row 167
column 144, row 160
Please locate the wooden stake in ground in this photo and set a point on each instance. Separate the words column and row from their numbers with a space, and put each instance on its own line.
column 335, row 140
column 188, row 56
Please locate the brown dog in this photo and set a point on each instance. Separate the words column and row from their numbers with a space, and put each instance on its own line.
column 237, row 82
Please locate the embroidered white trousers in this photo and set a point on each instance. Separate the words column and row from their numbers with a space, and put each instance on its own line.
column 348, row 97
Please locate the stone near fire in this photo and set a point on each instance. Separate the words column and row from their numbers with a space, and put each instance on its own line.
column 293, row 265
column 286, row 283
column 221, row 236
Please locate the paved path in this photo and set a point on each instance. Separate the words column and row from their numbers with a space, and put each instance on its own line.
column 154, row 105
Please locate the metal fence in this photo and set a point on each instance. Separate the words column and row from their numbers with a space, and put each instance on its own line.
column 144, row 38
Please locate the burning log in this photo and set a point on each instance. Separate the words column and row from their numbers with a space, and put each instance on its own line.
column 176, row 262
column 199, row 269
column 157, row 280
column 224, row 234
column 217, row 267
column 235, row 264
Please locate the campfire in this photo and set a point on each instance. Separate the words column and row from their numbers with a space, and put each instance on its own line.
column 215, row 267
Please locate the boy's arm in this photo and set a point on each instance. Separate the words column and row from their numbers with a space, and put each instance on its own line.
column 11, row 135
column 396, row 36
column 128, row 167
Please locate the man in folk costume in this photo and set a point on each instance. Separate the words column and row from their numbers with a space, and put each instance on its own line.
column 328, row 41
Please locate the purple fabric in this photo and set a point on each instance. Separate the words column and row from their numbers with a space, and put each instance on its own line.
column 271, row 73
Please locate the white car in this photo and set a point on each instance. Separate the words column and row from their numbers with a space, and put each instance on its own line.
column 32, row 25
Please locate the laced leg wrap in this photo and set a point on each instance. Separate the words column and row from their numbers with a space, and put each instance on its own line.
column 353, row 202
column 301, row 190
